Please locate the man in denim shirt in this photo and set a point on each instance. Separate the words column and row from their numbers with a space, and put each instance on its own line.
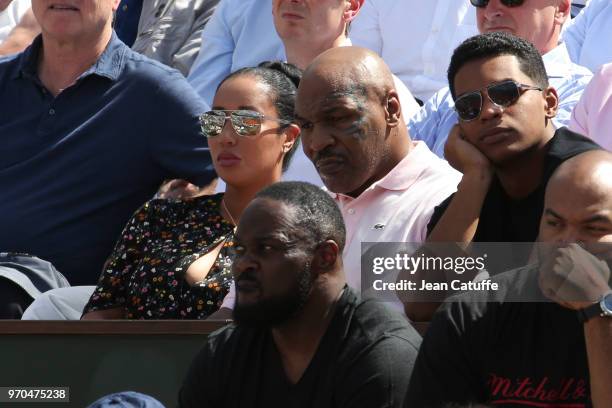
column 89, row 131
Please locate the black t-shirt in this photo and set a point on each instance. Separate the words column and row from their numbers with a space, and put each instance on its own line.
column 364, row 359
column 482, row 348
column 503, row 219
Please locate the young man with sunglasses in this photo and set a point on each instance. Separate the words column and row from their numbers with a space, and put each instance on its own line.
column 505, row 145
column 536, row 21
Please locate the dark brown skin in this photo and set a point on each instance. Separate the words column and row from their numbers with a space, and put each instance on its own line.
column 578, row 208
column 270, row 254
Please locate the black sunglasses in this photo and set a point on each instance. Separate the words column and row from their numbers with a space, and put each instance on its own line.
column 244, row 122
column 507, row 3
column 502, row 94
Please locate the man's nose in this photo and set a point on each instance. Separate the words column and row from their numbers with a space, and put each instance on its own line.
column 569, row 235
column 242, row 264
column 493, row 10
column 316, row 142
column 490, row 110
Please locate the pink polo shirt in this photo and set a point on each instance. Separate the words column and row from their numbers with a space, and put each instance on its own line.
column 397, row 207
column 592, row 115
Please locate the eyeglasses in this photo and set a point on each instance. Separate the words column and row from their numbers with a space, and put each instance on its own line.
column 244, row 122
column 507, row 3
column 502, row 94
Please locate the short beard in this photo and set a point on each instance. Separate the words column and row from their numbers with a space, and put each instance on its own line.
column 276, row 311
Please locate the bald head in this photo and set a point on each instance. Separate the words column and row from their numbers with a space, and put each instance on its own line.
column 578, row 202
column 350, row 115
column 590, row 171
column 345, row 67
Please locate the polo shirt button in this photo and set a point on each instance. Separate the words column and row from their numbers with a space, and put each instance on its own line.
column 51, row 111
column 125, row 7
column 351, row 211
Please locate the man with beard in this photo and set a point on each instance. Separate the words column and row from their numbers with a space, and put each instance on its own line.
column 301, row 337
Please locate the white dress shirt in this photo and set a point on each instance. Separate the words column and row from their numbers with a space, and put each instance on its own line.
column 415, row 38
column 11, row 16
column 589, row 36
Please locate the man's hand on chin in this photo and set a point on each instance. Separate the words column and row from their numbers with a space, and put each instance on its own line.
column 573, row 277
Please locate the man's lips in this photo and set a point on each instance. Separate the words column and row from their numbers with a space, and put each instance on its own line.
column 495, row 135
column 499, row 28
column 247, row 285
column 291, row 16
column 329, row 165
column 63, row 7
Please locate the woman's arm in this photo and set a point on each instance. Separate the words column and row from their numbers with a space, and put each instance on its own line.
column 108, row 314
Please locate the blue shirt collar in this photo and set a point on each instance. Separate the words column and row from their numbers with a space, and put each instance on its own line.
column 109, row 65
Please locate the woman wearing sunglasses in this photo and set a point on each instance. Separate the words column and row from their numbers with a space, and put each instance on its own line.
column 173, row 259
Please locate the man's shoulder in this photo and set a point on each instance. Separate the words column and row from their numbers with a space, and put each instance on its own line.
column 234, row 12
column 437, row 167
column 149, row 77
column 561, row 69
column 567, row 144
column 9, row 65
column 230, row 339
column 141, row 66
column 373, row 321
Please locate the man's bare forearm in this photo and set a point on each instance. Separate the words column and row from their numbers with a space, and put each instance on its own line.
column 457, row 224
column 598, row 339
column 460, row 220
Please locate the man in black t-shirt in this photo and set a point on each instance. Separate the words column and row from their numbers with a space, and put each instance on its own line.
column 302, row 337
column 545, row 338
column 505, row 144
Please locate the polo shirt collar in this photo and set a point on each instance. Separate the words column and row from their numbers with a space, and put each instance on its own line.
column 109, row 65
column 28, row 60
column 111, row 62
column 408, row 170
column 404, row 174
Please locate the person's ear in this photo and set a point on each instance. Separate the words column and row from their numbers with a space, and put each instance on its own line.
column 551, row 99
column 326, row 255
column 291, row 133
column 393, row 109
column 563, row 11
column 351, row 9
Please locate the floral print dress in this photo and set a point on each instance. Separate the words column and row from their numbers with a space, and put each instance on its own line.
column 145, row 273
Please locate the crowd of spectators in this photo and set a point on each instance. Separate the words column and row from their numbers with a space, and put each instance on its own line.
column 353, row 124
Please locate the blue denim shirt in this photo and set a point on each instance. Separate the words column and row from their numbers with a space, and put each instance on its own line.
column 75, row 167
